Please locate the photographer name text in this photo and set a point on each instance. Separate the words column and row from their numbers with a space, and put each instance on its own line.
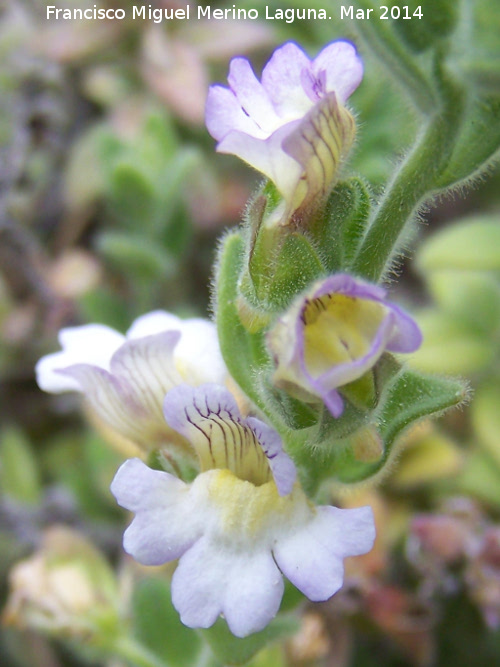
column 289, row 15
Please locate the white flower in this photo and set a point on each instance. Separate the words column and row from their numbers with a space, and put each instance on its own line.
column 241, row 524
column 126, row 378
column 292, row 125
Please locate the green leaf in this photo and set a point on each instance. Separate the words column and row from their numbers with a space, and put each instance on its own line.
column 450, row 346
column 472, row 244
column 435, row 25
column 132, row 195
column 410, row 397
column 477, row 143
column 137, row 254
column 231, row 650
column 19, row 471
column 481, row 478
column 157, row 625
column 471, row 297
column 485, row 415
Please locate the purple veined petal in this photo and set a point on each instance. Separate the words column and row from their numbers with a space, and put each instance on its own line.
column 111, row 398
column 152, row 323
column 282, row 466
column 130, row 396
column 282, row 80
column 251, row 95
column 319, row 144
column 388, row 336
column 311, row 557
column 246, row 586
column 166, row 522
column 223, row 114
column 185, row 406
column 146, row 365
column 343, row 67
column 91, row 344
column 209, row 418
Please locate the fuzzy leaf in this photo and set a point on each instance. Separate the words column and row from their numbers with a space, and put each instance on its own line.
column 410, row 397
column 339, row 233
column 158, row 627
column 478, row 142
column 233, row 651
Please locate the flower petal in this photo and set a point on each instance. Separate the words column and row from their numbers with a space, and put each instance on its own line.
column 251, row 95
column 209, row 418
column 92, row 343
column 319, row 144
column 197, row 355
column 343, row 67
column 146, row 366
column 282, row 466
column 152, row 323
column 166, row 522
column 311, row 556
column 407, row 336
column 282, row 80
column 245, row 586
column 267, row 156
column 223, row 114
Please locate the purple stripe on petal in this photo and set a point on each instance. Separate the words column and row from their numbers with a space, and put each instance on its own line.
column 282, row 466
column 209, row 418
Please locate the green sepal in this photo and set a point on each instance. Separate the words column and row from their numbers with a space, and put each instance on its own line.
column 406, row 396
column 359, row 412
column 411, row 397
column 157, row 626
column 477, row 142
column 283, row 263
column 362, row 392
column 339, row 230
column 242, row 351
column 231, row 650
column 437, row 23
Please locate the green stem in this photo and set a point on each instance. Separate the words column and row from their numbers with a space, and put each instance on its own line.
column 135, row 653
column 413, row 182
column 389, row 50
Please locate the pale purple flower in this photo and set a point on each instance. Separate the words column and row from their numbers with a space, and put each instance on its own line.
column 241, row 524
column 333, row 335
column 126, row 378
column 292, row 125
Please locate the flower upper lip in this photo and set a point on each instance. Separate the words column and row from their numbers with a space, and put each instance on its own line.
column 396, row 332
